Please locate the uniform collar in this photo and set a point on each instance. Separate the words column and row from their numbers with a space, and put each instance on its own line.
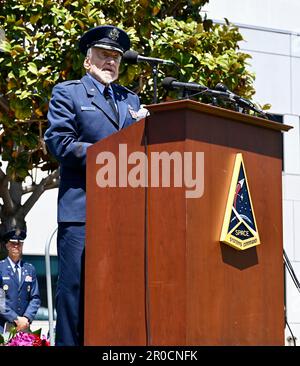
column 13, row 264
column 98, row 84
column 98, row 98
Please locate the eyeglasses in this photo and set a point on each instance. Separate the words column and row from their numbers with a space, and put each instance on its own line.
column 105, row 55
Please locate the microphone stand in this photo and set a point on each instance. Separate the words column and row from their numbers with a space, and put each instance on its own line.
column 154, row 74
column 186, row 94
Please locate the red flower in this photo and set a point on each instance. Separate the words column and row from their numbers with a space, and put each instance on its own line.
column 40, row 342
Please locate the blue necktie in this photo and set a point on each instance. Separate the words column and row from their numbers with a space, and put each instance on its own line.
column 17, row 273
column 110, row 100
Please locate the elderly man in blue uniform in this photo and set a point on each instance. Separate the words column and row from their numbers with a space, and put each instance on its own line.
column 82, row 112
column 19, row 285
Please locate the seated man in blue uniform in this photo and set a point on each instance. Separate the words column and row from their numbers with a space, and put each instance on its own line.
column 19, row 285
column 82, row 112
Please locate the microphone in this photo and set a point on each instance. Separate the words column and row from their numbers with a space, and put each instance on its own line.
column 244, row 103
column 223, row 88
column 234, row 97
column 170, row 83
column 132, row 57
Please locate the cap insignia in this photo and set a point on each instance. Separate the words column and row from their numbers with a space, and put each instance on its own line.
column 114, row 34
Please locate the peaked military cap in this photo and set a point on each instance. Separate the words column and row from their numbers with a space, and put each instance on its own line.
column 15, row 234
column 105, row 36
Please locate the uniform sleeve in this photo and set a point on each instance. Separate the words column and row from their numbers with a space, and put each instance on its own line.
column 35, row 300
column 9, row 314
column 6, row 313
column 61, row 136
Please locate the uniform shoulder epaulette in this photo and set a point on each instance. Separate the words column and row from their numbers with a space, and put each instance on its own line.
column 121, row 87
column 70, row 82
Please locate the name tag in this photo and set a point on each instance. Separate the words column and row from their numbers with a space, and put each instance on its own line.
column 5, row 278
column 83, row 108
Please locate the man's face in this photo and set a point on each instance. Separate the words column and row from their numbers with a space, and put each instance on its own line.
column 103, row 64
column 14, row 248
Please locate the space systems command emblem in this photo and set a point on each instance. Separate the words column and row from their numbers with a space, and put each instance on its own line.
column 239, row 227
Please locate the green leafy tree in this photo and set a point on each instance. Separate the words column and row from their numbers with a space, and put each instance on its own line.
column 39, row 48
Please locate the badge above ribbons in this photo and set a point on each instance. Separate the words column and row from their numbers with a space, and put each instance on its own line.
column 239, row 227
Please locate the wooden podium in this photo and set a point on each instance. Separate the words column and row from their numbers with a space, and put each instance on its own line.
column 156, row 272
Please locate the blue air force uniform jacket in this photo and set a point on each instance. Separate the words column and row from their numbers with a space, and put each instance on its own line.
column 18, row 299
column 79, row 116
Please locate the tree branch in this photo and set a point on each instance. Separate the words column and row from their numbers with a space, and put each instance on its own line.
column 15, row 191
column 50, row 185
column 38, row 190
column 4, row 193
column 4, row 104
